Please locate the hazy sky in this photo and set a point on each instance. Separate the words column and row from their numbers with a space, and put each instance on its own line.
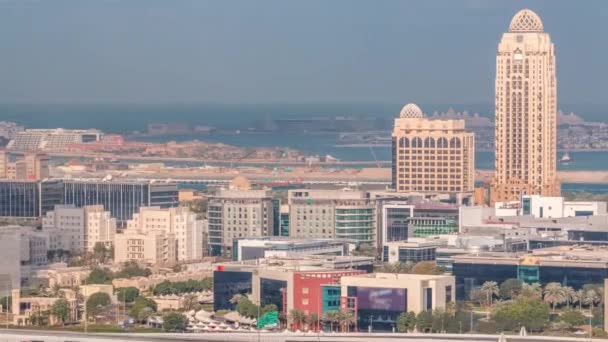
column 307, row 51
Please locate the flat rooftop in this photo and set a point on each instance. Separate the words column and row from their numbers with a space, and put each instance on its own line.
column 400, row 276
column 592, row 256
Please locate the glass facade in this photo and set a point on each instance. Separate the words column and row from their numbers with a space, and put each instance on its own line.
column 355, row 223
column 396, row 223
column 470, row 276
column 528, row 274
column 575, row 277
column 122, row 200
column 271, row 292
column 526, row 205
column 331, row 298
column 414, row 255
column 226, row 284
column 52, row 195
column 428, row 299
column 276, row 213
column 19, row 199
column 430, row 226
column 214, row 216
column 285, row 224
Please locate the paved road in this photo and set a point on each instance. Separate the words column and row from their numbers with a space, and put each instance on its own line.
column 55, row 336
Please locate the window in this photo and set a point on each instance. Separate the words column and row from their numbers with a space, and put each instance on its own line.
column 304, row 301
column 448, row 294
column 305, row 290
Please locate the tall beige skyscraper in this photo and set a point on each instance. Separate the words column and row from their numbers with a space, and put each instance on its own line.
column 432, row 155
column 526, row 100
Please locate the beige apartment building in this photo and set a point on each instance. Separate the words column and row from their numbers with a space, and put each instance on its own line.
column 432, row 155
column 329, row 214
column 78, row 229
column 526, row 102
column 238, row 212
column 180, row 222
column 27, row 166
column 155, row 247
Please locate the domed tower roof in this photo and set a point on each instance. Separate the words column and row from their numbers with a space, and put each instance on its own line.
column 526, row 21
column 240, row 183
column 411, row 110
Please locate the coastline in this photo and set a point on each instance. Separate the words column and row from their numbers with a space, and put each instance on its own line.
column 579, row 176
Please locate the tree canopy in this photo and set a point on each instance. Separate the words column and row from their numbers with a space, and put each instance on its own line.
column 174, row 321
column 127, row 294
column 139, row 304
column 97, row 302
column 61, row 310
column 510, row 288
column 99, row 276
column 531, row 313
column 168, row 287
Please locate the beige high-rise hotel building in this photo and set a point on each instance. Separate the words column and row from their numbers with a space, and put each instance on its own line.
column 526, row 100
column 432, row 155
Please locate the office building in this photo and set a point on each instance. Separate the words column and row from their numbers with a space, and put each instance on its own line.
column 238, row 213
column 284, row 217
column 121, row 198
column 19, row 198
column 332, row 214
column 154, row 247
column 431, row 155
column 377, row 299
column 180, row 222
column 549, row 207
column 57, row 139
column 526, row 102
column 395, row 220
column 410, row 251
column 288, row 283
column 267, row 247
column 572, row 266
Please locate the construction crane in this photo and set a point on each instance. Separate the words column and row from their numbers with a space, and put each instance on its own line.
column 374, row 155
column 247, row 154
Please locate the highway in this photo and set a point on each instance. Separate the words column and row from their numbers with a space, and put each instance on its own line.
column 57, row 336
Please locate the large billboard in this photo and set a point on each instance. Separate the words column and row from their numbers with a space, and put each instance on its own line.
column 376, row 298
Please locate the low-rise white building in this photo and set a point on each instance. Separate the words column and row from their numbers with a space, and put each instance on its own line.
column 78, row 229
column 549, row 207
column 180, row 222
column 151, row 247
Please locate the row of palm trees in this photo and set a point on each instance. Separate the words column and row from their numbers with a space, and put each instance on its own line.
column 342, row 319
column 553, row 294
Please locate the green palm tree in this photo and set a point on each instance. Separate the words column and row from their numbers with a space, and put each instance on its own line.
column 332, row 317
column 554, row 294
column 491, row 289
column 313, row 320
column 346, row 318
column 578, row 298
column 298, row 318
column 569, row 293
column 590, row 297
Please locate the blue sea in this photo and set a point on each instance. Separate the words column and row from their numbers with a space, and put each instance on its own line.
column 129, row 118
